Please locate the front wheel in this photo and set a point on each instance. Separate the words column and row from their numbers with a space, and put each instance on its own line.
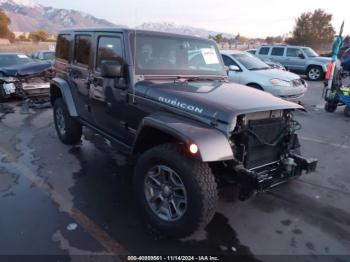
column 330, row 108
column 314, row 73
column 68, row 129
column 256, row 86
column 177, row 193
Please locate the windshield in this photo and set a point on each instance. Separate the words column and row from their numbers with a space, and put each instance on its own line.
column 176, row 55
column 250, row 62
column 13, row 59
column 49, row 55
column 310, row 52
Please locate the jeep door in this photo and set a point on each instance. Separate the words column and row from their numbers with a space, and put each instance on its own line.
column 294, row 60
column 79, row 73
column 108, row 96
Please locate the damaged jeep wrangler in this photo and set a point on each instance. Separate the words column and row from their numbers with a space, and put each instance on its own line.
column 166, row 101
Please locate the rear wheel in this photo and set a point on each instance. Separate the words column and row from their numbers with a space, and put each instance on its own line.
column 178, row 194
column 69, row 130
column 314, row 73
column 330, row 108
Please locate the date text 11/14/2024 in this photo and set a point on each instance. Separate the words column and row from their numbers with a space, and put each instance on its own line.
column 173, row 258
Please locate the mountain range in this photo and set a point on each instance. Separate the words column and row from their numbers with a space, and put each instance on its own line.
column 28, row 16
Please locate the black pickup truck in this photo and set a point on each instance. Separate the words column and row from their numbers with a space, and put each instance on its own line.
column 165, row 99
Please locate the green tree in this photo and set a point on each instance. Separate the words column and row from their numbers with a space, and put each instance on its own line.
column 5, row 31
column 313, row 29
column 39, row 35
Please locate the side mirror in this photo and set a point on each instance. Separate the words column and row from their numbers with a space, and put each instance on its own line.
column 112, row 69
column 234, row 68
column 301, row 55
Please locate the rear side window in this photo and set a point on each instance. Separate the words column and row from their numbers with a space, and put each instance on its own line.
column 62, row 48
column 293, row 52
column 264, row 51
column 82, row 49
column 109, row 48
column 277, row 51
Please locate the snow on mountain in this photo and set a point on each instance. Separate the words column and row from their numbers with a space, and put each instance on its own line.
column 178, row 29
column 28, row 16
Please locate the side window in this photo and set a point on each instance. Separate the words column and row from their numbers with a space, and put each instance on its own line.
column 63, row 47
column 264, row 51
column 228, row 61
column 277, row 51
column 108, row 48
column 293, row 52
column 82, row 50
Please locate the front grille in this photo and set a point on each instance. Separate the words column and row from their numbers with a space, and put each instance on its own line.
column 254, row 148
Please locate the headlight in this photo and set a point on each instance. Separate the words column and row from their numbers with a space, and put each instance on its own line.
column 279, row 82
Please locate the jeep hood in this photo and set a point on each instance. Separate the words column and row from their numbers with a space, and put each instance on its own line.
column 22, row 70
column 214, row 100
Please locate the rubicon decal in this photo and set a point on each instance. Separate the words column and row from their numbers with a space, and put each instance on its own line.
column 179, row 104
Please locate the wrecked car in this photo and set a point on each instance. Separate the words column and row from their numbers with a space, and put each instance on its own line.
column 21, row 76
column 188, row 131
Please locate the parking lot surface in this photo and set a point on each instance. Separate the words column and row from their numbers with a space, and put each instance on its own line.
column 60, row 200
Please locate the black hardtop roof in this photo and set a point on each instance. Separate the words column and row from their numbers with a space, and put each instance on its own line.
column 124, row 30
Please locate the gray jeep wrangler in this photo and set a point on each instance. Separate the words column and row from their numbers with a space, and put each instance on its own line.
column 165, row 99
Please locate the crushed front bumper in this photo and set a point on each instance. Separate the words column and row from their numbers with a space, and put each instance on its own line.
column 20, row 89
column 264, row 178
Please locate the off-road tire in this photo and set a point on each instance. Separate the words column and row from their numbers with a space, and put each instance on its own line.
column 330, row 108
column 347, row 111
column 198, row 180
column 319, row 69
column 73, row 129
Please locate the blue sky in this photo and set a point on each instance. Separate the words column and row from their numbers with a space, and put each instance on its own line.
column 253, row 18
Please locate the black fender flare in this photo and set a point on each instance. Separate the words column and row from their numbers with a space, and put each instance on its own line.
column 213, row 145
column 66, row 95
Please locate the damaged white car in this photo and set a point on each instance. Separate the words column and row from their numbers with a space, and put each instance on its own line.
column 23, row 77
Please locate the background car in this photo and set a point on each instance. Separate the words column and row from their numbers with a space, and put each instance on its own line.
column 246, row 69
column 268, row 61
column 44, row 55
column 11, row 59
column 23, row 76
column 301, row 59
column 251, row 51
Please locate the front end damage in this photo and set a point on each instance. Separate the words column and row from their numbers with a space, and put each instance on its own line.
column 33, row 82
column 267, row 152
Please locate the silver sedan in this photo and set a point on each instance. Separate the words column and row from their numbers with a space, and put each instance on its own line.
column 246, row 69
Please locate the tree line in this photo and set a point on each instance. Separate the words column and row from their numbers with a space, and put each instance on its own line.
column 311, row 29
column 5, row 32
